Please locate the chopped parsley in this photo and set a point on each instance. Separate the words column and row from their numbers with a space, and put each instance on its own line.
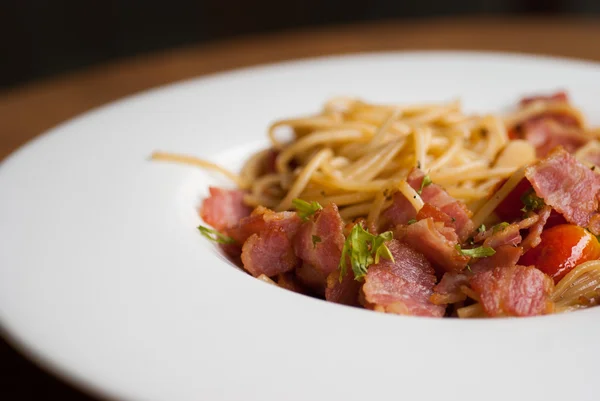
column 500, row 226
column 315, row 239
column 363, row 249
column 426, row 181
column 479, row 252
column 481, row 228
column 306, row 209
column 215, row 236
column 531, row 201
column 412, row 221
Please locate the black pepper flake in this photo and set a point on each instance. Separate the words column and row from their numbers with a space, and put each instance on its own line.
column 415, row 197
column 418, row 164
column 593, row 168
column 323, row 193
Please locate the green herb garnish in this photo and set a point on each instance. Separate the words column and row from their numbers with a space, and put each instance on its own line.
column 306, row 209
column 479, row 252
column 426, row 181
column 215, row 236
column 531, row 201
column 363, row 249
column 500, row 226
column 412, row 221
column 481, row 228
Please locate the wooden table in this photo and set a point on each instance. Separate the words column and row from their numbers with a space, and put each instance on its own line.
column 28, row 111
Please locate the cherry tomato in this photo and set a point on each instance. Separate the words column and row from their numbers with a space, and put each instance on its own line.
column 562, row 248
column 554, row 219
column 510, row 208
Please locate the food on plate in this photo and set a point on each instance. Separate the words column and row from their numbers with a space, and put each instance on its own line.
column 420, row 210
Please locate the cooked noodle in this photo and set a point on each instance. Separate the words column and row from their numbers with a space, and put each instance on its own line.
column 353, row 151
column 580, row 284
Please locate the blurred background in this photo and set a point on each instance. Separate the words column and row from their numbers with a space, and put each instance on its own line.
column 42, row 38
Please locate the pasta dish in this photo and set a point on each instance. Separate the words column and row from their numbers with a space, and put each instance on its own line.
column 420, row 210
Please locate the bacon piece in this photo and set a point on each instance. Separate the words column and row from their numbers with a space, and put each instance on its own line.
column 320, row 240
column 566, row 185
column 290, row 282
column 263, row 219
column 513, row 291
column 435, row 241
column 319, row 244
column 448, row 290
column 269, row 253
column 224, row 208
column 312, row 278
column 344, row 292
column 401, row 210
column 267, row 241
column 506, row 255
column 509, row 235
column 435, row 195
column 428, row 210
column 555, row 97
column 546, row 133
column 594, row 225
column 498, row 235
column 547, row 130
column 403, row 286
column 534, row 238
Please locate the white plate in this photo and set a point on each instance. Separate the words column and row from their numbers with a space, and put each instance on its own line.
column 104, row 277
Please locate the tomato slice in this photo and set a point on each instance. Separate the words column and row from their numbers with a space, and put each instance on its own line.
column 562, row 248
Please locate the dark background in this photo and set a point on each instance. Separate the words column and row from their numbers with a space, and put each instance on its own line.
column 42, row 38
